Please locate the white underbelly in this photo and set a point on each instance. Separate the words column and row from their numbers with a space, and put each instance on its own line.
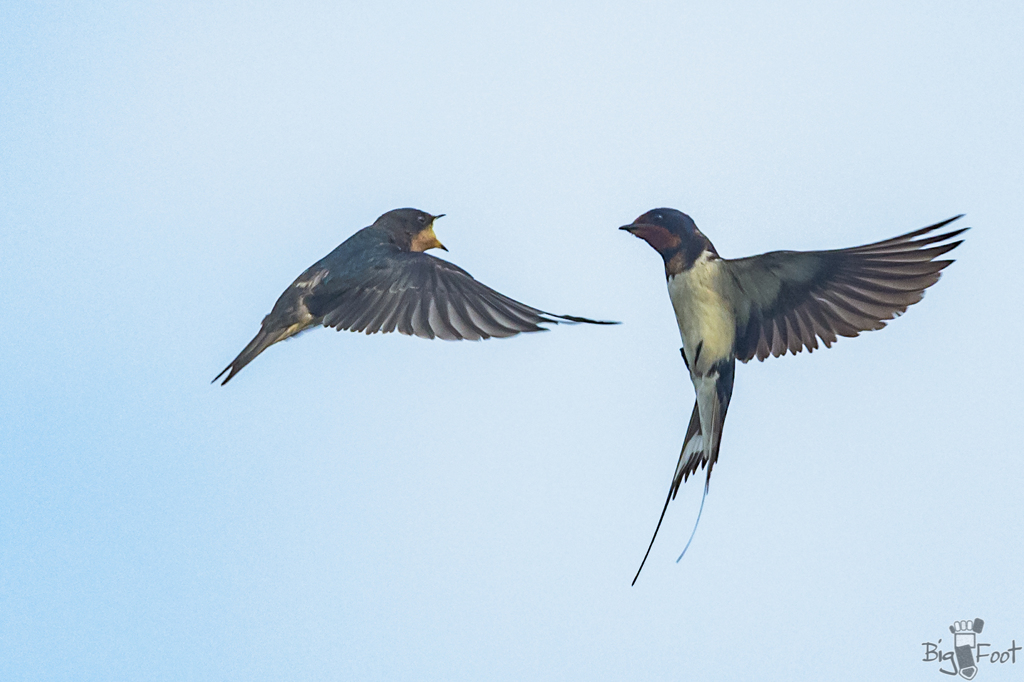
column 706, row 320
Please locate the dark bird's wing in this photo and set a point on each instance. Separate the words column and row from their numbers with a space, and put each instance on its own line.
column 417, row 294
column 787, row 300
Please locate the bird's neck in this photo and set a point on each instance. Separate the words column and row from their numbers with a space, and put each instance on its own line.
column 683, row 257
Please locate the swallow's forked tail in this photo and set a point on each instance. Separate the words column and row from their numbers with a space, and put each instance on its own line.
column 660, row 518
column 690, row 456
column 259, row 343
column 656, row 529
column 694, row 531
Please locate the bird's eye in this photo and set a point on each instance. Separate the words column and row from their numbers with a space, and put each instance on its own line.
column 658, row 216
column 422, row 219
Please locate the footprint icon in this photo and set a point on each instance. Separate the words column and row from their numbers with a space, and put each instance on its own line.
column 965, row 637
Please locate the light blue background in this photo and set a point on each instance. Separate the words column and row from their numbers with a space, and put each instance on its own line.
column 387, row 508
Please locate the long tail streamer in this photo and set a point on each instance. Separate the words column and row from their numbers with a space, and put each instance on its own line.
column 703, row 497
column 658, row 527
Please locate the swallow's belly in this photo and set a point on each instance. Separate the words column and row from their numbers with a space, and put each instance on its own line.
column 706, row 320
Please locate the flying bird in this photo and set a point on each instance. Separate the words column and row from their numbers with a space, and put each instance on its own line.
column 381, row 280
column 771, row 304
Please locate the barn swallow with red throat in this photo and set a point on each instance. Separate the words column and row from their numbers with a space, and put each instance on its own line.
column 381, row 280
column 778, row 302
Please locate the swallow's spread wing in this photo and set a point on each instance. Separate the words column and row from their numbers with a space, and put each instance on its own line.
column 418, row 294
column 787, row 300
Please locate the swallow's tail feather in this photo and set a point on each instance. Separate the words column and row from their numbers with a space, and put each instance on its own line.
column 259, row 343
column 691, row 455
column 714, row 391
column 704, row 435
column 695, row 523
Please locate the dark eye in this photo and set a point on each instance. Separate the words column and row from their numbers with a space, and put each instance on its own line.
column 422, row 219
column 658, row 216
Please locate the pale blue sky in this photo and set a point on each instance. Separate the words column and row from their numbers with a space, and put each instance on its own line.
column 388, row 508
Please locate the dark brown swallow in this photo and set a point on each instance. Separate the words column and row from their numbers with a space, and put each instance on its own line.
column 380, row 280
column 778, row 302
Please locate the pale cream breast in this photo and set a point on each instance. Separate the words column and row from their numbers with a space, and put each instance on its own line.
column 702, row 313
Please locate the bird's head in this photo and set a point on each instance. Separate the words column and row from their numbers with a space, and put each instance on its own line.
column 411, row 229
column 671, row 233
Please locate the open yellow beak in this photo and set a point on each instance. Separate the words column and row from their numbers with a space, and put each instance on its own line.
column 426, row 239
